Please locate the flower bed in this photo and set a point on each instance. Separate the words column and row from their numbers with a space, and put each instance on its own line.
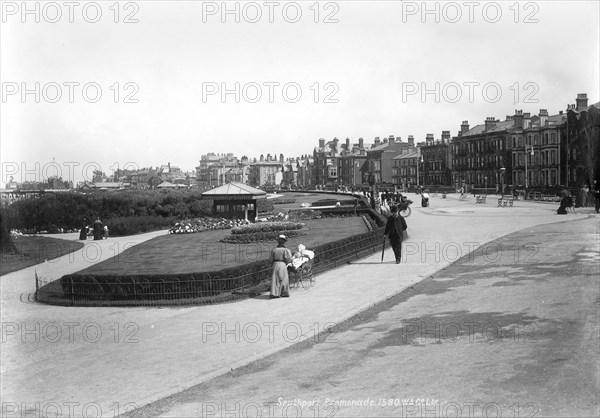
column 205, row 224
column 267, row 227
column 260, row 236
column 283, row 201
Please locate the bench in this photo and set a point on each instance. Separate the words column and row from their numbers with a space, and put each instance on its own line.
column 506, row 201
column 480, row 198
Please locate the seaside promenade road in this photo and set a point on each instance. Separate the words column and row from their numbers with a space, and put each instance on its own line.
column 512, row 338
column 102, row 361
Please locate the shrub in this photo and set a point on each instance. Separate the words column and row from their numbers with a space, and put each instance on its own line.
column 283, row 201
column 264, row 205
column 266, row 227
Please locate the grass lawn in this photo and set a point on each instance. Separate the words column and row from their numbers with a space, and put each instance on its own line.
column 305, row 197
column 187, row 253
column 33, row 250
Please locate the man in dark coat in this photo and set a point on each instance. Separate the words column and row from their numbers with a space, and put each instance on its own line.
column 394, row 228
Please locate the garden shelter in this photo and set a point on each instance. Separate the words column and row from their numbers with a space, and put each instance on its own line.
column 235, row 201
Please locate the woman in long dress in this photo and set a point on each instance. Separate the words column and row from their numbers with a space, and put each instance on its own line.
column 280, row 257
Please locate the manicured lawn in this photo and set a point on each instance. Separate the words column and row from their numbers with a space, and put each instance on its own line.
column 186, row 253
column 304, row 197
column 33, row 250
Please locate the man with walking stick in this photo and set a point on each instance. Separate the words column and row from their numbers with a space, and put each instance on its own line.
column 394, row 229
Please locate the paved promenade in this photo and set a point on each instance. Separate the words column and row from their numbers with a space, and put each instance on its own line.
column 106, row 360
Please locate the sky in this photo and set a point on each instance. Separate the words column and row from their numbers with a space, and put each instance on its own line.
column 106, row 84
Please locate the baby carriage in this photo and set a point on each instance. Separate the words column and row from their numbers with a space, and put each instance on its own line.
column 300, row 270
column 302, row 276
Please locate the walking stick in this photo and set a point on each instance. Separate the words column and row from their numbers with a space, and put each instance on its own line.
column 383, row 249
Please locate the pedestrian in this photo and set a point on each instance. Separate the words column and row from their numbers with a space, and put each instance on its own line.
column 105, row 231
column 425, row 199
column 394, row 229
column 597, row 196
column 280, row 258
column 97, row 229
column 84, row 230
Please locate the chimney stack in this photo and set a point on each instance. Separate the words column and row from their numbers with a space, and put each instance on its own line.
column 377, row 141
column 464, row 127
column 490, row 122
column 347, row 144
column 445, row 136
column 361, row 143
column 411, row 141
column 429, row 139
column 321, row 143
column 582, row 101
column 526, row 120
column 518, row 119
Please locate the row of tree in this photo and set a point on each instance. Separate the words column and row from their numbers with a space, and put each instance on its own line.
column 68, row 210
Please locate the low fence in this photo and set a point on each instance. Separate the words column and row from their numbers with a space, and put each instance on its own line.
column 195, row 288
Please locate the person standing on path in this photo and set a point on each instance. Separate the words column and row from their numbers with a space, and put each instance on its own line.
column 394, row 229
column 597, row 196
column 280, row 258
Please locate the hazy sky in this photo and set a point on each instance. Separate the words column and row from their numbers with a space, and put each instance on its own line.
column 153, row 79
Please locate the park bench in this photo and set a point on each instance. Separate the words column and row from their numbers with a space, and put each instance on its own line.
column 506, row 201
column 480, row 198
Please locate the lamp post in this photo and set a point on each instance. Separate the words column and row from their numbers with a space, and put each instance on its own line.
column 418, row 160
column 502, row 170
column 485, row 180
column 526, row 158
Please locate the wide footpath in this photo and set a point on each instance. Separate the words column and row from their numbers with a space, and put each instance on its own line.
column 102, row 361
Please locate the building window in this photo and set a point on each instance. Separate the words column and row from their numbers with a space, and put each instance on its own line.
column 553, row 138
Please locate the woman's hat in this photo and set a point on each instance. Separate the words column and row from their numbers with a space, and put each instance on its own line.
column 282, row 237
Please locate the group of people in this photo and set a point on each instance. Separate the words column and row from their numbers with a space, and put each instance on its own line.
column 283, row 263
column 99, row 231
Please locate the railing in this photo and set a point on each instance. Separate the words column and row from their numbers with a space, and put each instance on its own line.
column 192, row 289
